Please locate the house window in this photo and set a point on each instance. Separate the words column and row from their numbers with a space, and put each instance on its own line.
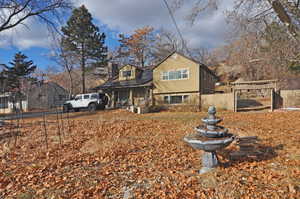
column 167, row 99
column 165, row 76
column 175, row 75
column 4, row 102
column 126, row 73
column 176, row 99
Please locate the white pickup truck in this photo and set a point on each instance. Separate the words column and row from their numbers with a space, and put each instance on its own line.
column 90, row 101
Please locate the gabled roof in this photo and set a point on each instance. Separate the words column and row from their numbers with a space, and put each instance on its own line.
column 189, row 58
column 143, row 79
column 137, row 67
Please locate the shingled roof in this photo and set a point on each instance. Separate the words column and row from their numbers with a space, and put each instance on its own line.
column 144, row 79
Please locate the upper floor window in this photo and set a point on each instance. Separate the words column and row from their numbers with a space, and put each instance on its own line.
column 175, row 75
column 126, row 73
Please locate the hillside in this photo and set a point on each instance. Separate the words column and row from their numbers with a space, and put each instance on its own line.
column 63, row 79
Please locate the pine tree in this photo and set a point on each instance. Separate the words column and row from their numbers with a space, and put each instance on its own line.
column 82, row 37
column 19, row 70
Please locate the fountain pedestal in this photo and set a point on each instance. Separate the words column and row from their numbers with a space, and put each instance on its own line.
column 210, row 138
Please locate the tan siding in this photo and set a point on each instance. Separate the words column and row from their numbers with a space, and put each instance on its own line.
column 192, row 100
column 176, row 62
column 127, row 68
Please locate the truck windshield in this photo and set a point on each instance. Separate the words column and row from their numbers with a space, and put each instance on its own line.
column 78, row 97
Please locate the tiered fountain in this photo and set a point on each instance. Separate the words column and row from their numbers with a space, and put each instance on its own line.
column 210, row 138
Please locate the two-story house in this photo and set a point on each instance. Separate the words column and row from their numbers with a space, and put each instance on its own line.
column 181, row 80
column 176, row 80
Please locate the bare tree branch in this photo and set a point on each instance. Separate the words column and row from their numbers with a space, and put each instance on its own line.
column 15, row 12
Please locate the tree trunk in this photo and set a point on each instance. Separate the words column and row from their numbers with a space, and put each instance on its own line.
column 284, row 18
column 71, row 84
column 143, row 64
column 83, row 68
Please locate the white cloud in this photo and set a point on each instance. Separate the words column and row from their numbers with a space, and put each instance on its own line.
column 127, row 15
column 31, row 34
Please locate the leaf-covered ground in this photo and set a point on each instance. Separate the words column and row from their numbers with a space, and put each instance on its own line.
column 116, row 154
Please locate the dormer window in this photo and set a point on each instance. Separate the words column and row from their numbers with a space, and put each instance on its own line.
column 126, row 73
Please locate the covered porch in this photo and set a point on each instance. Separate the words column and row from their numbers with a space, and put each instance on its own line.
column 130, row 96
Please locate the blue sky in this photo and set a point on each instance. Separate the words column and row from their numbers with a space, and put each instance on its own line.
column 119, row 16
column 39, row 54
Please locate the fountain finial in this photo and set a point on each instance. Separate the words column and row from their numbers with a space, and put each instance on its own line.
column 212, row 110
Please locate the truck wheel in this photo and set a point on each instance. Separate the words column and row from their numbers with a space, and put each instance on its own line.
column 76, row 109
column 92, row 107
column 102, row 107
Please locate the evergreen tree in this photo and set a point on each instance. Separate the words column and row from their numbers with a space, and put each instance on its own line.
column 19, row 70
column 83, row 38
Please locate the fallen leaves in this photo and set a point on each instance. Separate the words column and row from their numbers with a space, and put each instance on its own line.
column 143, row 156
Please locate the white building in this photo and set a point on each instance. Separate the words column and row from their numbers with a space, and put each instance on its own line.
column 7, row 104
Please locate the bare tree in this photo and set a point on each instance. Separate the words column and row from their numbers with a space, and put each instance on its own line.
column 15, row 12
column 269, row 11
column 248, row 12
column 199, row 6
column 167, row 42
column 67, row 60
column 264, row 39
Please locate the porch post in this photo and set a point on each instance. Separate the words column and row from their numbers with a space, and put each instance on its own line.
column 131, row 96
column 151, row 97
column 272, row 100
column 113, row 99
column 235, row 100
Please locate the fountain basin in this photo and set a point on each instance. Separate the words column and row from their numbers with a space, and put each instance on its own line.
column 219, row 131
column 209, row 137
column 209, row 145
